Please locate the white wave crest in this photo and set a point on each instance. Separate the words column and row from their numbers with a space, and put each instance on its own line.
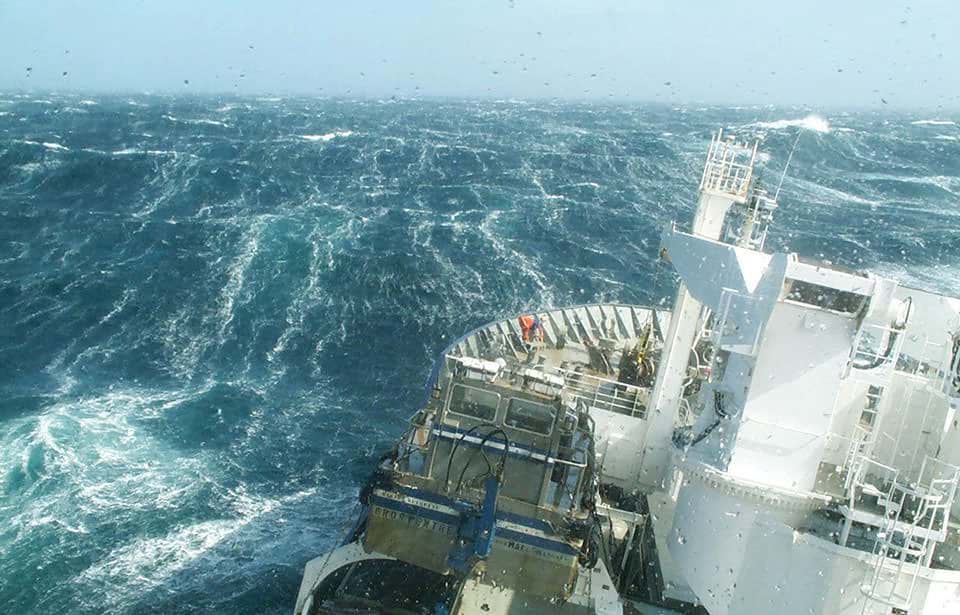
column 811, row 122
column 46, row 144
column 203, row 121
column 132, row 151
column 934, row 123
column 330, row 136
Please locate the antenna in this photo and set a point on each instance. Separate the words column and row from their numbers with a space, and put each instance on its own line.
column 787, row 166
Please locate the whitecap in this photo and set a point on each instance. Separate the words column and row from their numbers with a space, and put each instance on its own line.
column 203, row 121
column 89, row 102
column 811, row 122
column 328, row 136
column 56, row 146
column 934, row 123
column 29, row 167
column 132, row 151
column 208, row 122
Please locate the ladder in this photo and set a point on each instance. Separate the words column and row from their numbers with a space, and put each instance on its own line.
column 876, row 351
column 915, row 521
column 865, row 433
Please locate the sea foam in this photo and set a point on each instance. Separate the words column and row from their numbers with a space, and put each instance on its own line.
column 811, row 122
column 330, row 136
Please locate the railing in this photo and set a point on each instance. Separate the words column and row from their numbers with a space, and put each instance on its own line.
column 876, row 351
column 915, row 520
column 604, row 394
column 860, row 448
column 594, row 391
column 931, row 365
column 727, row 171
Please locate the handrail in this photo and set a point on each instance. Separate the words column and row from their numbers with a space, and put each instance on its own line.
column 593, row 396
column 438, row 363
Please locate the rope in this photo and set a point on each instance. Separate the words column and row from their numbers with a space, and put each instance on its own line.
column 787, row 166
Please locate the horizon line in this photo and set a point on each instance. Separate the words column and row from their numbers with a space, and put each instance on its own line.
column 489, row 98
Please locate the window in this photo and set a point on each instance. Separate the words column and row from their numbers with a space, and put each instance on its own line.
column 473, row 402
column 529, row 416
column 824, row 297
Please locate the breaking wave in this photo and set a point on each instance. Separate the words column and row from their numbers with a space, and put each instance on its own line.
column 330, row 136
column 934, row 123
column 810, row 122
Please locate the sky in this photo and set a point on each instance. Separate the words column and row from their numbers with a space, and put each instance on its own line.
column 837, row 53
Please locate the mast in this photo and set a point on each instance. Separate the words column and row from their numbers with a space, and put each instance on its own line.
column 726, row 179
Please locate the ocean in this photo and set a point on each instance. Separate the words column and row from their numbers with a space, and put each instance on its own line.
column 216, row 312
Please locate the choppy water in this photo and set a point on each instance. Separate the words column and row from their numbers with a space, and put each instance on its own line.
column 214, row 313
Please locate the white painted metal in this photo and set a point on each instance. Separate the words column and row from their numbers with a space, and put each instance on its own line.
column 726, row 179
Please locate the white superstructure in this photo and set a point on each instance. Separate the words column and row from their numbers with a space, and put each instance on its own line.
column 784, row 441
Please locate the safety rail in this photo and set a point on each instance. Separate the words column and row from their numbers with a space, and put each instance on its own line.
column 931, row 365
column 916, row 518
column 727, row 169
column 595, row 392
column 859, row 449
column 876, row 352
column 560, row 491
column 605, row 394
column 872, row 479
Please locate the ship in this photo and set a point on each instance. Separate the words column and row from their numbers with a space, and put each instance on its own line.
column 784, row 440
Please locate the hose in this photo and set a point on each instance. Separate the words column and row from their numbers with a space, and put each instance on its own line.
column 456, row 445
column 503, row 457
column 721, row 414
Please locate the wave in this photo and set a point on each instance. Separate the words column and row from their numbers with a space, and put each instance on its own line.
column 811, row 122
column 934, row 123
column 132, row 151
column 330, row 136
column 198, row 121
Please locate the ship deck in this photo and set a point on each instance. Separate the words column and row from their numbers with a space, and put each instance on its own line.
column 583, row 343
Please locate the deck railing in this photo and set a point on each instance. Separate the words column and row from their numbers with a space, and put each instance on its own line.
column 605, row 394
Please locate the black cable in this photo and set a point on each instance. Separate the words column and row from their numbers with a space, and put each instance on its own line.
column 721, row 414
column 456, row 445
column 483, row 442
column 470, row 459
column 453, row 451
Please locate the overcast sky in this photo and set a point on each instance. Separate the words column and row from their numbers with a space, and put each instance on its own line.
column 810, row 52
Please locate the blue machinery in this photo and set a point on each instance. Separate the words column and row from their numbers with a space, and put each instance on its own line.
column 475, row 534
column 477, row 529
